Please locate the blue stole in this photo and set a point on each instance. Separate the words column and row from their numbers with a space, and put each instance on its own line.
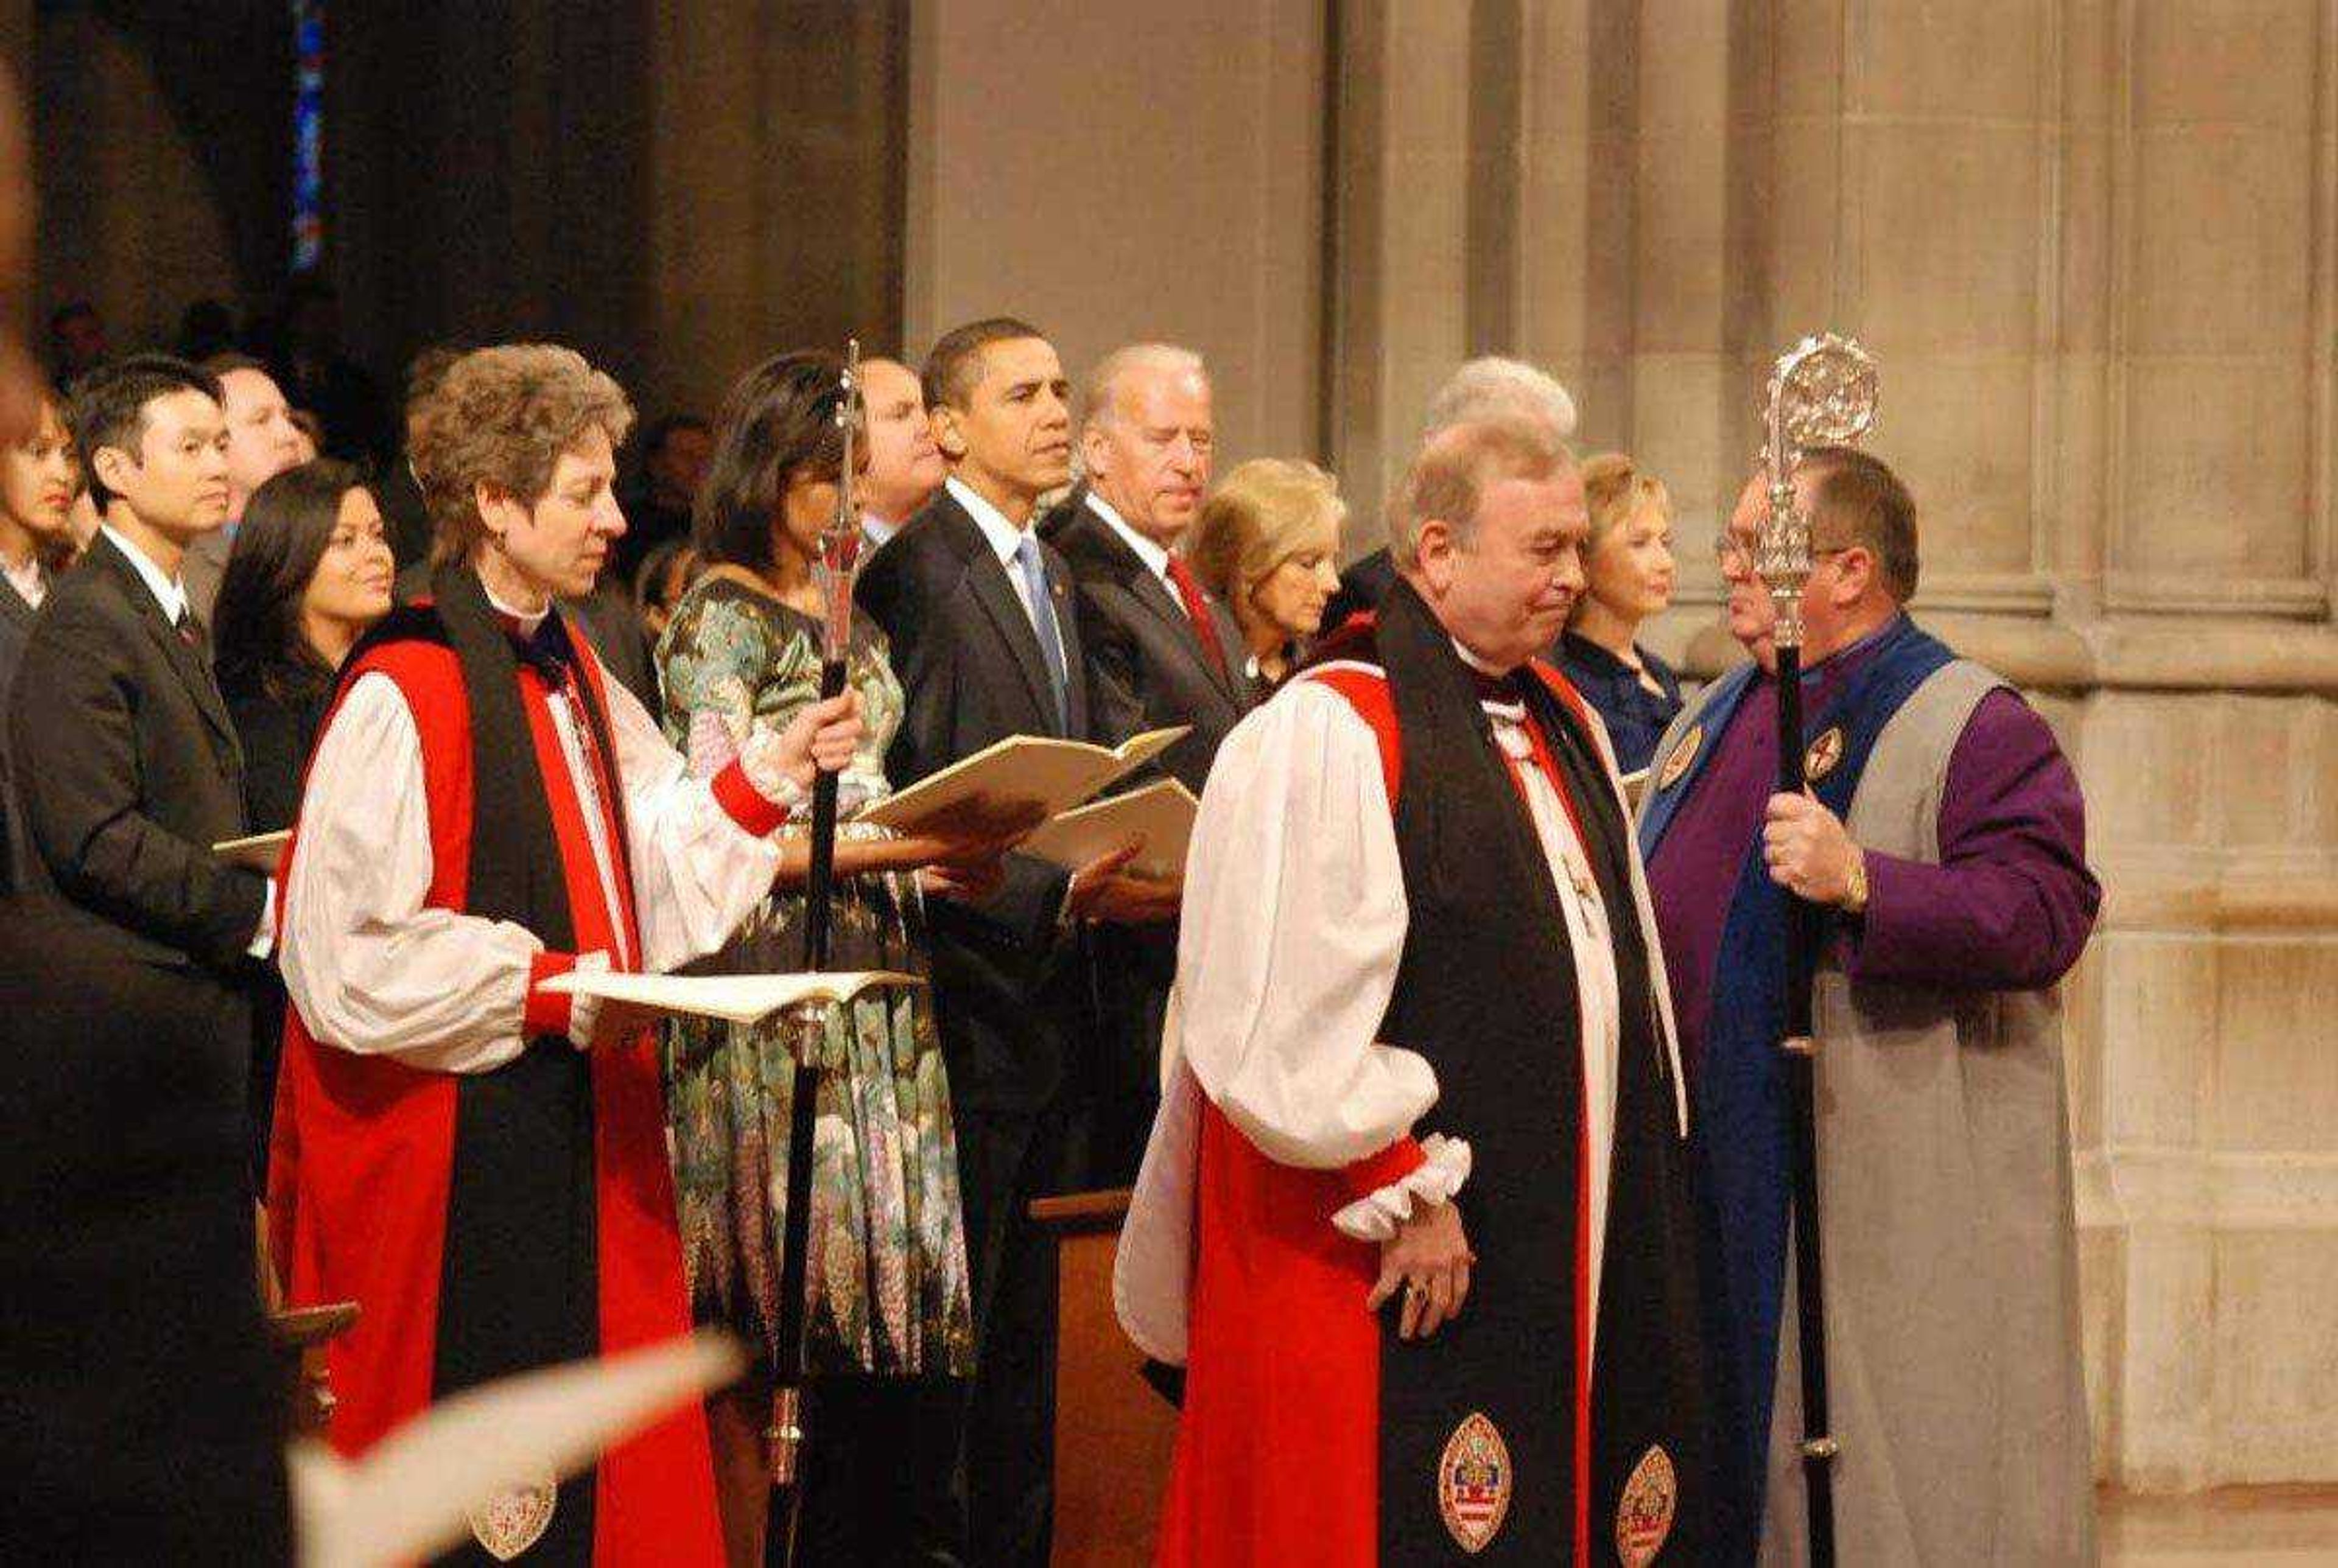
column 1739, row 1124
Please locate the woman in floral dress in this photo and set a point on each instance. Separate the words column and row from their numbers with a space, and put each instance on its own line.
column 887, row 1323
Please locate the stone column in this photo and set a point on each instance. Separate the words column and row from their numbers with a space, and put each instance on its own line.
column 1117, row 172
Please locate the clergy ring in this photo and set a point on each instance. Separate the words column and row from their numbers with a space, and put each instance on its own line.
column 1414, row 1290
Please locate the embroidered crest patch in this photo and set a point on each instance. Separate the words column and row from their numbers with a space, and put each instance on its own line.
column 1682, row 755
column 1644, row 1517
column 1824, row 753
column 1473, row 1483
column 514, row 1519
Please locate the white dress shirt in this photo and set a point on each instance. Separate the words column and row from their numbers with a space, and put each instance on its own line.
column 31, row 583
column 1006, row 542
column 169, row 592
column 1156, row 558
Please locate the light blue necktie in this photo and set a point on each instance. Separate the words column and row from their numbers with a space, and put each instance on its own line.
column 1043, row 620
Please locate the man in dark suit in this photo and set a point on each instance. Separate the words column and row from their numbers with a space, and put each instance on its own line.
column 987, row 645
column 127, row 769
column 126, row 761
column 1158, row 641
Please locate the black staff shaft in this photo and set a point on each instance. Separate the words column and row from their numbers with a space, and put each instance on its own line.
column 1802, row 949
column 820, row 884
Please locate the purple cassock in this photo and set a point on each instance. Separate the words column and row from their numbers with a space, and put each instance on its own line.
column 2007, row 909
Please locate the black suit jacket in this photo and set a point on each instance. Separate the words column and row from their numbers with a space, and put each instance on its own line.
column 1362, row 586
column 1008, row 1002
column 15, row 841
column 128, row 769
column 140, row 1410
column 1142, row 646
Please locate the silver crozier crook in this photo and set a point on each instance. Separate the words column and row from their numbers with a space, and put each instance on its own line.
column 1822, row 393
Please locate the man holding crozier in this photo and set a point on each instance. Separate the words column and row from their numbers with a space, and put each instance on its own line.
column 1420, row 978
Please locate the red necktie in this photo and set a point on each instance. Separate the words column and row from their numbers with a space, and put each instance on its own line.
column 1197, row 611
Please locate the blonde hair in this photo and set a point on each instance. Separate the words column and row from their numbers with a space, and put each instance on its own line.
column 504, row 416
column 1617, row 491
column 1262, row 514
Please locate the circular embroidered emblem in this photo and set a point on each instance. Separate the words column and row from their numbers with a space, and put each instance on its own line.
column 1473, row 1483
column 510, row 1522
column 1824, row 753
column 1644, row 1517
column 1682, row 755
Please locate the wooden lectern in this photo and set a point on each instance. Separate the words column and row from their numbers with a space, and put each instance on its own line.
column 1113, row 1433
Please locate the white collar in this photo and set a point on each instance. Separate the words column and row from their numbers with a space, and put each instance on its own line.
column 31, row 580
column 876, row 530
column 1004, row 537
column 167, row 591
column 1155, row 559
column 1512, row 712
column 529, row 620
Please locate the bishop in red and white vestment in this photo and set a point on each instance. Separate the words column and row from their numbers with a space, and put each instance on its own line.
column 1419, row 967
column 455, row 1151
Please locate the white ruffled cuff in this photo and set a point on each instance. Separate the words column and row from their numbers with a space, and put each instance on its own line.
column 585, row 1011
column 759, row 759
column 1375, row 1216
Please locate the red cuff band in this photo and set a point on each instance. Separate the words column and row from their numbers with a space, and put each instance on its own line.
column 745, row 805
column 546, row 1012
column 1391, row 1164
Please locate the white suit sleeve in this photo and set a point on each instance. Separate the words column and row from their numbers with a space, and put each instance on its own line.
column 702, row 850
column 371, row 970
column 1294, row 920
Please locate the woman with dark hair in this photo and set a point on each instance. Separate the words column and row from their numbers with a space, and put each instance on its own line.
column 309, row 570
column 889, row 1314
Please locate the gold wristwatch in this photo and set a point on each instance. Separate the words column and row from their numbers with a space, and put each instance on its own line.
column 1854, row 897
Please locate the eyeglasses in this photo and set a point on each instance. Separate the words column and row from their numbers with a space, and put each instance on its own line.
column 1732, row 557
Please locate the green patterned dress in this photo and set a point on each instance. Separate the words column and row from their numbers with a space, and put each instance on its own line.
column 887, row 1263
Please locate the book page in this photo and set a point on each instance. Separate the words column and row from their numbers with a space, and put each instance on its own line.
column 1021, row 775
column 1161, row 813
column 258, row 853
column 735, row 998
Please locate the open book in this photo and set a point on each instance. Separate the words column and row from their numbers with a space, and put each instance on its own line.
column 1162, row 813
column 735, row 998
column 258, row 853
column 414, row 1495
column 1036, row 774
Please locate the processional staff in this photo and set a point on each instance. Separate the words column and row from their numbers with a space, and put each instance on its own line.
column 840, row 551
column 1822, row 392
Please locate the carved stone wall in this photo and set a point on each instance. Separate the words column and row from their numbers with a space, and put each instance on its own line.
column 2093, row 243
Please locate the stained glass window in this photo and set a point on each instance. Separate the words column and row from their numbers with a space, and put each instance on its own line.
column 307, row 133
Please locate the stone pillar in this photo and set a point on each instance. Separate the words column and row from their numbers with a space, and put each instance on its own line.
column 1116, row 172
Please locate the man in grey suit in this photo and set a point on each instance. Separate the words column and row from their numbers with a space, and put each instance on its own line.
column 261, row 443
column 1165, row 652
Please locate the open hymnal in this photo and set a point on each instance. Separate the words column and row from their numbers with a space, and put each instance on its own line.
column 424, row 1488
column 1162, row 814
column 734, row 998
column 1034, row 776
column 257, row 853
